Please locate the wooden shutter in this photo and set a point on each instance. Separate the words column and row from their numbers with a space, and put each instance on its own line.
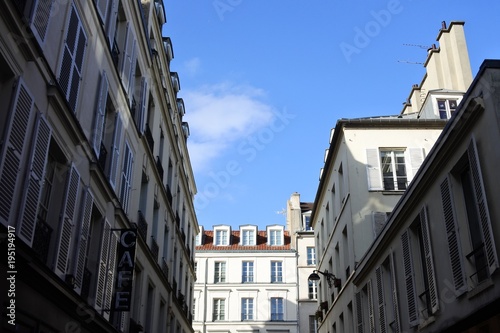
column 36, row 175
column 143, row 108
column 111, row 25
column 73, row 54
column 110, row 274
column 452, row 236
column 371, row 310
column 379, row 219
column 40, row 19
column 103, row 262
column 381, row 300
column 100, row 113
column 102, row 9
column 482, row 207
column 13, row 150
column 373, row 170
column 409, row 279
column 395, row 301
column 126, row 180
column 83, row 237
column 429, row 262
column 68, row 215
column 128, row 56
column 416, row 158
column 115, row 150
column 359, row 312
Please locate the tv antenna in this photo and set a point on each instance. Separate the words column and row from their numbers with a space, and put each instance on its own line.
column 411, row 62
column 419, row 46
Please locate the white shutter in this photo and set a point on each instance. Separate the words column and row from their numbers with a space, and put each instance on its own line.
column 409, row 279
column 131, row 85
column 482, row 207
column 35, row 180
column 373, row 170
column 371, row 312
column 359, row 312
column 111, row 25
column 126, row 178
column 13, row 150
column 110, row 274
column 128, row 56
column 100, row 113
column 381, row 301
column 102, row 9
column 143, row 109
column 70, row 73
column 83, row 238
column 68, row 215
column 379, row 219
column 40, row 19
column 415, row 157
column 429, row 262
column 395, row 301
column 452, row 235
column 103, row 261
column 115, row 150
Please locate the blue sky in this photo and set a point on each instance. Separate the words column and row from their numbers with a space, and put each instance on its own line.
column 264, row 82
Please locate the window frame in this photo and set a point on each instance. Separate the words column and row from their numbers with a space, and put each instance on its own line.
column 276, row 271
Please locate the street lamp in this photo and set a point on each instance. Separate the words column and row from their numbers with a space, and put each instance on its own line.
column 330, row 278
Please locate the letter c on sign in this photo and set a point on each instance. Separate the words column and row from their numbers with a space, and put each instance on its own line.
column 123, row 240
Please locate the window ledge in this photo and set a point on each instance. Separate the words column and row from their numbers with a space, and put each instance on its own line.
column 478, row 289
column 426, row 322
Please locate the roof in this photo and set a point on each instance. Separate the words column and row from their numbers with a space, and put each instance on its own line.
column 262, row 245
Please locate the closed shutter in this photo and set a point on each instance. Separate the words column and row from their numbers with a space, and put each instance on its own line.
column 381, row 301
column 110, row 278
column 115, row 150
column 359, row 312
column 126, row 180
column 429, row 262
column 452, row 236
column 379, row 219
column 416, row 158
column 38, row 162
column 373, row 170
column 40, row 19
column 100, row 113
column 111, row 25
column 103, row 261
column 371, row 310
column 102, row 9
column 14, row 150
column 68, row 215
column 128, row 57
column 143, row 109
column 395, row 301
column 73, row 54
column 482, row 207
column 409, row 279
column 83, row 237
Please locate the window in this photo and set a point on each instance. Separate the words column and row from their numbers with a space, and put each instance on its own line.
column 307, row 222
column 277, row 312
column 276, row 271
column 446, row 107
column 247, row 271
column 220, row 272
column 313, row 289
column 275, row 237
column 311, row 255
column 247, row 309
column 418, row 263
column 221, row 237
column 219, row 309
column 393, row 169
column 248, row 237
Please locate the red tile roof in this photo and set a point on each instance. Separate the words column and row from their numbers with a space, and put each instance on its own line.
column 261, row 245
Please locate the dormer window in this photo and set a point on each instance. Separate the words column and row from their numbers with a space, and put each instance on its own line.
column 248, row 235
column 275, row 236
column 221, row 236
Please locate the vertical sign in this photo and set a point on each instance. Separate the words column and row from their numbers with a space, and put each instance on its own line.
column 125, row 270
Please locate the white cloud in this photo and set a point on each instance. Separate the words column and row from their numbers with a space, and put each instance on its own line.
column 192, row 66
column 220, row 116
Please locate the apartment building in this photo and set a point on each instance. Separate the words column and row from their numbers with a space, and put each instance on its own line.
column 246, row 280
column 369, row 165
column 97, row 186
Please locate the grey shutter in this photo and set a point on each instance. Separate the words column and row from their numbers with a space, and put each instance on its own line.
column 395, row 301
column 100, row 113
column 416, row 158
column 66, row 223
column 143, row 109
column 83, row 237
column 373, row 170
column 40, row 19
column 110, row 278
column 359, row 312
column 126, row 66
column 36, row 171
column 371, row 311
column 452, row 236
column 379, row 219
column 482, row 207
column 103, row 262
column 102, row 9
column 126, row 180
column 13, row 150
column 409, row 279
column 111, row 25
column 381, row 301
column 429, row 262
column 115, row 150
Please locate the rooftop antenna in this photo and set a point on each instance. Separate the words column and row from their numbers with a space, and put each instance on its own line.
column 411, row 62
column 419, row 46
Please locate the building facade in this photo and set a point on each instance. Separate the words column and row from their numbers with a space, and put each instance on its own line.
column 370, row 164
column 246, row 280
column 97, row 187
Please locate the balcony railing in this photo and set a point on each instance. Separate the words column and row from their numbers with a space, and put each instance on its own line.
column 159, row 167
column 142, row 226
column 41, row 241
column 154, row 248
column 149, row 138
